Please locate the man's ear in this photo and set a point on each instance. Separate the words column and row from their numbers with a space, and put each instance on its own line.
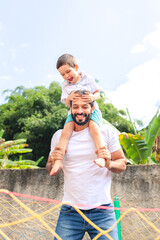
column 93, row 108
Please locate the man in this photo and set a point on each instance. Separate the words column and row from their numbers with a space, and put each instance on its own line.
column 86, row 185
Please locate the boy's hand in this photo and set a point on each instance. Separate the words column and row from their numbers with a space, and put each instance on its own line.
column 73, row 96
column 88, row 97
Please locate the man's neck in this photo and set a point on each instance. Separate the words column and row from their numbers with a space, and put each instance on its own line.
column 78, row 128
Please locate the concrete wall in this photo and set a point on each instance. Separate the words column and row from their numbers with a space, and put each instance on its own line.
column 140, row 184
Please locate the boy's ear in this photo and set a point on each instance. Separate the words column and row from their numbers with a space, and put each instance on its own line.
column 76, row 67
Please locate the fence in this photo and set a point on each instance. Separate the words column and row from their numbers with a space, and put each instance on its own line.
column 30, row 217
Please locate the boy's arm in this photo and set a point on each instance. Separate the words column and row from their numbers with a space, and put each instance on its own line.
column 90, row 97
column 96, row 95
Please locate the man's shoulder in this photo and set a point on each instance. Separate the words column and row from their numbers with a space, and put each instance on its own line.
column 108, row 129
column 57, row 134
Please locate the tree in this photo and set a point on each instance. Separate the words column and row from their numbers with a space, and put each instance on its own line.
column 36, row 113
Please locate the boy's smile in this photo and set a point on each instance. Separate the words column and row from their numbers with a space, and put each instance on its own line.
column 70, row 74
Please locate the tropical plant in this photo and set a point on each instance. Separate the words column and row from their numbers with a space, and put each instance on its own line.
column 14, row 147
column 139, row 147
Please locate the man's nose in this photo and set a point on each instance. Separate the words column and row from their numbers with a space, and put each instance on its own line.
column 80, row 110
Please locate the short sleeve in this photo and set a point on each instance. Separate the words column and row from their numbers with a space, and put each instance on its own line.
column 64, row 94
column 93, row 84
column 55, row 140
column 111, row 138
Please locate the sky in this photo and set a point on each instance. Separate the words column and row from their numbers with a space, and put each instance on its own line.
column 117, row 42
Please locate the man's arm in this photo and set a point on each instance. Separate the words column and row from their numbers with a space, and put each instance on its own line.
column 115, row 161
column 118, row 162
column 49, row 164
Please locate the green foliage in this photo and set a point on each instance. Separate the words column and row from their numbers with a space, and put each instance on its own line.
column 36, row 113
column 153, row 131
column 15, row 147
column 139, row 147
column 118, row 118
column 135, row 147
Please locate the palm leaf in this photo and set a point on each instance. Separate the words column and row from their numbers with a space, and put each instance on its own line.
column 135, row 147
column 153, row 131
column 14, row 151
column 1, row 133
column 5, row 163
column 11, row 143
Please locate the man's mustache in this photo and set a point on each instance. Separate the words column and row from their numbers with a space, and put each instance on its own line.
column 80, row 114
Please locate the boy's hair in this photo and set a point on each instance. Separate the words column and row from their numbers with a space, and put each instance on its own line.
column 82, row 92
column 66, row 59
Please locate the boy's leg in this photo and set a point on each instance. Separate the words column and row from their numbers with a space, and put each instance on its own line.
column 70, row 224
column 98, row 140
column 65, row 136
column 62, row 145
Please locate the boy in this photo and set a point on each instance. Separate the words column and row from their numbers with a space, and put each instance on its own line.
column 75, row 80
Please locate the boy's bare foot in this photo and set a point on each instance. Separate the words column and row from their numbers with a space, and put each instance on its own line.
column 58, row 163
column 100, row 162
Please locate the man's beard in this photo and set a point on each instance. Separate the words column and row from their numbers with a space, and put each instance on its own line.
column 81, row 122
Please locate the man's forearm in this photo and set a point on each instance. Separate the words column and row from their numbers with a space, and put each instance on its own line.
column 118, row 165
column 49, row 164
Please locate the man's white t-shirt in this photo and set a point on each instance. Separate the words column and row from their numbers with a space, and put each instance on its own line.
column 85, row 184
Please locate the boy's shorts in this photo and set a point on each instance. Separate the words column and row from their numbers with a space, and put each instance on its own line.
column 95, row 117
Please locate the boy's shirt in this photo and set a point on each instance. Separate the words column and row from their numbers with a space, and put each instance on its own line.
column 86, row 83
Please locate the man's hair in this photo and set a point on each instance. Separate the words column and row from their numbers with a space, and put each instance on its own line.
column 82, row 92
column 66, row 59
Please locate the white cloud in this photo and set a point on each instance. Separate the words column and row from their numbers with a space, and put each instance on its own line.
column 1, row 44
column 18, row 70
column 24, row 45
column 5, row 77
column 3, row 63
column 1, row 26
column 13, row 53
column 151, row 40
column 138, row 48
column 140, row 94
